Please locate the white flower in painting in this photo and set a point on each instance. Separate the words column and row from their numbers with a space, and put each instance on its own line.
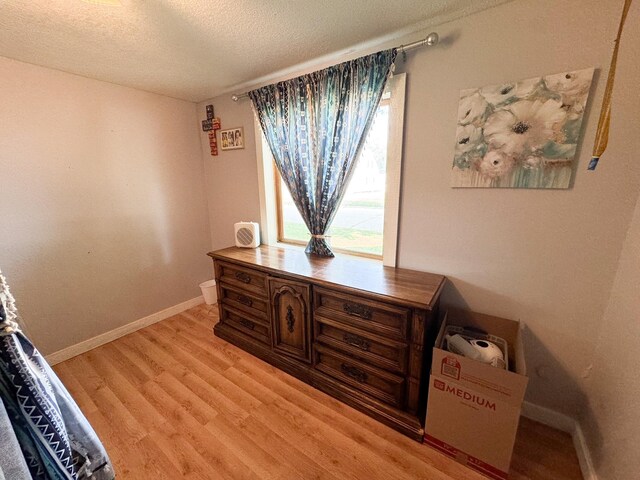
column 524, row 125
column 572, row 86
column 576, row 109
column 524, row 88
column 498, row 94
column 471, row 108
column 467, row 138
column 532, row 162
column 496, row 163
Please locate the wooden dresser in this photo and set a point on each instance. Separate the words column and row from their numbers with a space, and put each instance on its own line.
column 359, row 331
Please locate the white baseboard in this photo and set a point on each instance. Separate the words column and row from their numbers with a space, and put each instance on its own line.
column 584, row 454
column 86, row 345
column 563, row 422
column 549, row 417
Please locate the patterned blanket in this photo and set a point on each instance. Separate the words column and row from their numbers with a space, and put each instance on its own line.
column 53, row 436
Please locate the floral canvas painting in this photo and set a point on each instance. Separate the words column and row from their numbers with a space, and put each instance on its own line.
column 522, row 134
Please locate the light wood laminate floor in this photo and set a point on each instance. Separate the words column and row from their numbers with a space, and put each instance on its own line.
column 172, row 401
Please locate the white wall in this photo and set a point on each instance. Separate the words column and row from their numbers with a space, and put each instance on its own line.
column 102, row 209
column 546, row 257
column 612, row 423
column 232, row 175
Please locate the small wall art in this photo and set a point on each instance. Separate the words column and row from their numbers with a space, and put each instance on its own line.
column 521, row 134
column 232, row 139
column 211, row 125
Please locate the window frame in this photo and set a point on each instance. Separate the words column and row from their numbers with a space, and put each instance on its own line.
column 272, row 228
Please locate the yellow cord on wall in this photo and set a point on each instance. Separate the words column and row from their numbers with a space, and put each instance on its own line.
column 602, row 134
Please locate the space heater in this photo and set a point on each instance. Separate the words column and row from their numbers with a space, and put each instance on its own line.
column 247, row 234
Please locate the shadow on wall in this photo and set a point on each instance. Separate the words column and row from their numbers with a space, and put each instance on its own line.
column 575, row 164
column 551, row 372
column 544, row 369
column 451, row 296
column 448, row 40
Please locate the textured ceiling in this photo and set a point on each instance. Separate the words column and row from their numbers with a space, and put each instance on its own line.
column 196, row 49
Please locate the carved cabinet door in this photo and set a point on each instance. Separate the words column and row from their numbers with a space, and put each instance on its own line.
column 290, row 323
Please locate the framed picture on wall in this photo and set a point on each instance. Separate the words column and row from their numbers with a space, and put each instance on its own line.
column 232, row 139
column 522, row 134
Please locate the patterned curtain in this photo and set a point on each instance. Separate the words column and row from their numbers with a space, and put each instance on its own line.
column 50, row 431
column 316, row 125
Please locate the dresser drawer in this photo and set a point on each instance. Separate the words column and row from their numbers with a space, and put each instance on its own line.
column 377, row 383
column 245, row 301
column 376, row 350
column 249, row 280
column 377, row 317
column 246, row 324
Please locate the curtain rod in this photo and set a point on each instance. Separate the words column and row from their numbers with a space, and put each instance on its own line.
column 430, row 40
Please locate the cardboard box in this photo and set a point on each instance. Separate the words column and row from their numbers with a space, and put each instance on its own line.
column 473, row 408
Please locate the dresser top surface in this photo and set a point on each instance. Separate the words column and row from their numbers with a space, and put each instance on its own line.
column 410, row 287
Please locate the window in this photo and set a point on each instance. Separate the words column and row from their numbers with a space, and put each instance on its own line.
column 367, row 219
column 358, row 224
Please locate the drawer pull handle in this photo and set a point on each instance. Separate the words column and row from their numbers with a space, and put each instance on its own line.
column 245, row 300
column 358, row 310
column 354, row 373
column 243, row 277
column 291, row 320
column 247, row 323
column 356, row 341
